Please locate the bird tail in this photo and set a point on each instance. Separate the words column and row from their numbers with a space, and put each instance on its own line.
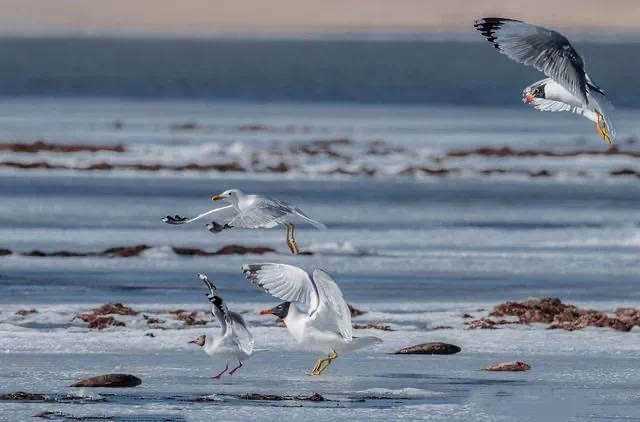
column 314, row 223
column 357, row 343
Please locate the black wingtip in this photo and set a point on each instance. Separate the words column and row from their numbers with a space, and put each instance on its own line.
column 488, row 27
column 174, row 220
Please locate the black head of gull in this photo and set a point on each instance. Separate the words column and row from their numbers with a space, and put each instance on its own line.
column 281, row 311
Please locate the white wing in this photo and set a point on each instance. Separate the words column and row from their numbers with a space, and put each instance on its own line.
column 544, row 104
column 243, row 337
column 283, row 281
column 546, row 50
column 332, row 312
column 267, row 213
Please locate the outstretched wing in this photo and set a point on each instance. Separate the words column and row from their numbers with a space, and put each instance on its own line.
column 178, row 219
column 228, row 320
column 286, row 282
column 332, row 312
column 546, row 50
column 242, row 335
column 267, row 213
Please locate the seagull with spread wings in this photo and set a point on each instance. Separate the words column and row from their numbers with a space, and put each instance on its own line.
column 567, row 87
column 235, row 340
column 252, row 212
column 314, row 312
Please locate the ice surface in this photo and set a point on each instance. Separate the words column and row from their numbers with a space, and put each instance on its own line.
column 415, row 253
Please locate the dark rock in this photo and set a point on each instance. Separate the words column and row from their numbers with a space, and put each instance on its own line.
column 189, row 318
column 509, row 366
column 466, row 316
column 126, row 251
column 372, row 325
column 4, row 252
column 114, row 309
column 23, row 396
column 432, row 348
column 61, row 416
column 273, row 397
column 25, row 312
column 243, row 250
column 102, row 322
column 41, row 146
column 110, row 381
column 487, row 323
column 190, row 251
column 184, row 126
column 149, row 335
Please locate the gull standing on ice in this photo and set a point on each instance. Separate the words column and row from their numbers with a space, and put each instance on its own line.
column 568, row 86
column 235, row 341
column 253, row 212
column 315, row 312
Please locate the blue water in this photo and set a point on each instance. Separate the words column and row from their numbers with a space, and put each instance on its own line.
column 464, row 73
column 415, row 252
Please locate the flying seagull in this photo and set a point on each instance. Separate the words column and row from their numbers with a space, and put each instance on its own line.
column 253, row 212
column 235, row 341
column 315, row 312
column 567, row 87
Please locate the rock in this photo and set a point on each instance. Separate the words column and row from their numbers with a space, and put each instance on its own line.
column 114, row 309
column 355, row 311
column 102, row 322
column 189, row 318
column 23, row 396
column 185, row 126
column 432, row 348
column 373, row 326
column 466, row 316
column 487, row 323
column 243, row 250
column 509, row 366
column 40, row 146
column 562, row 316
column 109, row 381
column 126, row 251
column 5, row 252
column 274, row 397
column 25, row 312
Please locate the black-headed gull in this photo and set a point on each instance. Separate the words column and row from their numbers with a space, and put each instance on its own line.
column 568, row 86
column 253, row 212
column 315, row 313
column 235, row 340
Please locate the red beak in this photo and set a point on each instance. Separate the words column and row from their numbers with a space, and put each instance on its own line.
column 266, row 312
column 528, row 99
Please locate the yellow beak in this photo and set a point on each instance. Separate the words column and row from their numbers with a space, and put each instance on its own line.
column 217, row 197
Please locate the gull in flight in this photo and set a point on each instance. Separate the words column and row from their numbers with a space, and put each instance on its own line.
column 253, row 212
column 315, row 312
column 235, row 340
column 567, row 87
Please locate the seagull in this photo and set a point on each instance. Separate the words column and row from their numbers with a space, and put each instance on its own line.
column 567, row 87
column 314, row 313
column 253, row 212
column 235, row 341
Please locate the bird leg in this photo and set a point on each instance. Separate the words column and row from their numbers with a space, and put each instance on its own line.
column 323, row 364
column 236, row 368
column 602, row 129
column 291, row 240
column 217, row 377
